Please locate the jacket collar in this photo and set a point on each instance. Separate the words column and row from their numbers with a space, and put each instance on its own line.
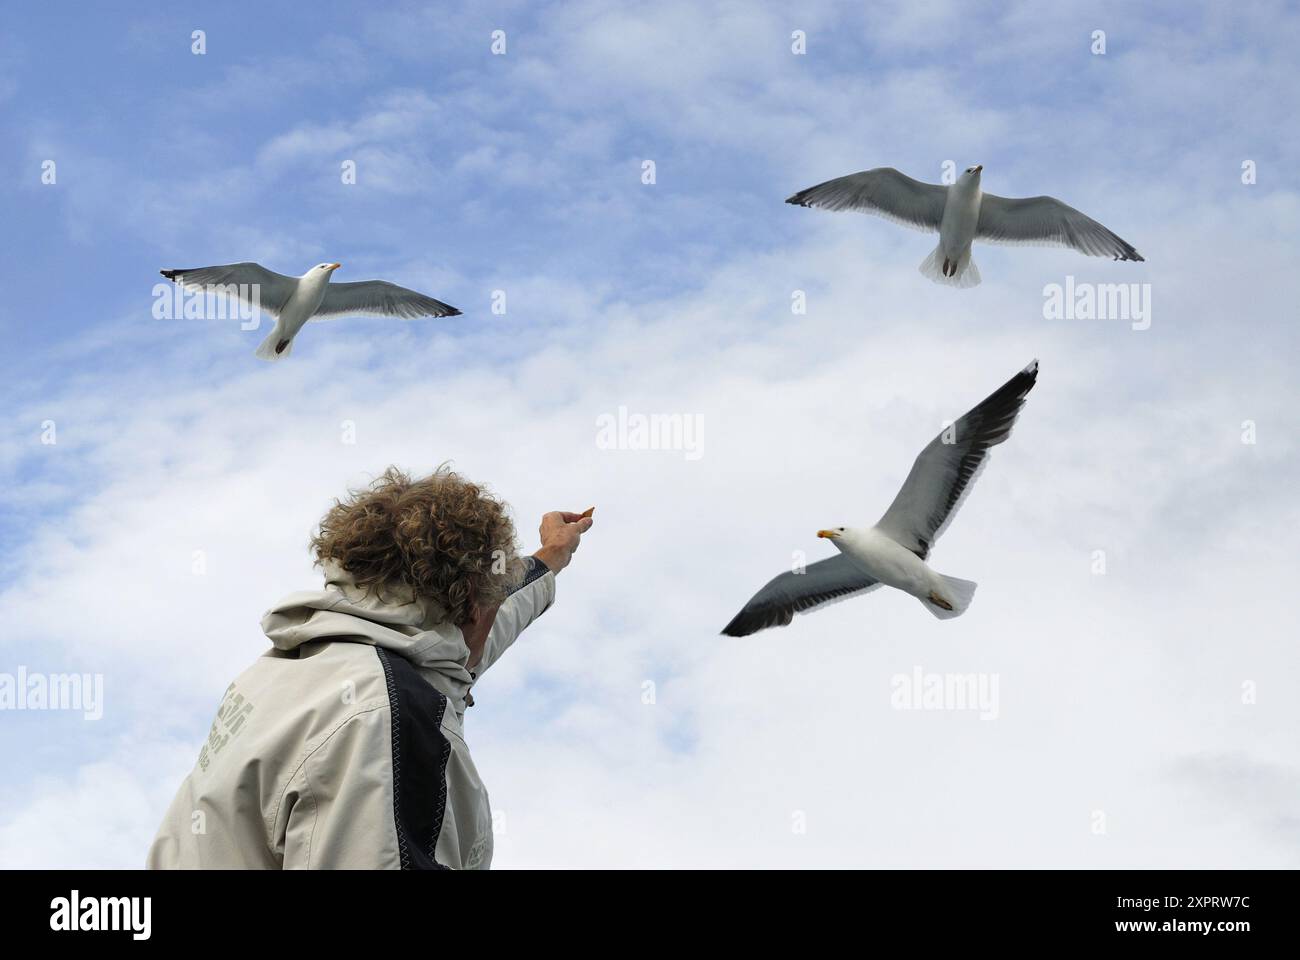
column 393, row 618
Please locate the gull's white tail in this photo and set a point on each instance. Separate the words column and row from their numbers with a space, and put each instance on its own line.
column 955, row 593
column 266, row 349
column 963, row 274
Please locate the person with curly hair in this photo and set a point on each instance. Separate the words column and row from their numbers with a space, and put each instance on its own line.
column 343, row 746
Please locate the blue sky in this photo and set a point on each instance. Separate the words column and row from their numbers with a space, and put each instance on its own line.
column 522, row 173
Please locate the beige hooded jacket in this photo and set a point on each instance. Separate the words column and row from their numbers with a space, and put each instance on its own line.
column 344, row 745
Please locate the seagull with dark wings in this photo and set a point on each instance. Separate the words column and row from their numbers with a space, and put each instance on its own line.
column 894, row 552
column 961, row 214
column 295, row 300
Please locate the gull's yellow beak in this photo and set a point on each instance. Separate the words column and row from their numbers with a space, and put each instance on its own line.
column 335, row 266
column 827, row 534
column 979, row 167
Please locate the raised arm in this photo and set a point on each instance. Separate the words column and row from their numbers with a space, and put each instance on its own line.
column 560, row 533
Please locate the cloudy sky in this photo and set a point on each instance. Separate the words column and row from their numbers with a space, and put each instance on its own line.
column 1135, row 541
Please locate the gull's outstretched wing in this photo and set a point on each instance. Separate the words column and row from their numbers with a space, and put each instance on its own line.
column 240, row 280
column 1047, row 222
column 946, row 469
column 823, row 582
column 378, row 298
column 882, row 191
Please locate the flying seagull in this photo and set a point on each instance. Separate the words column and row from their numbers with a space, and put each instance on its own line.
column 894, row 551
column 295, row 300
column 961, row 214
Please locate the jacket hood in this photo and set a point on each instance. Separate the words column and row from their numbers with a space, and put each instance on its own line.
column 414, row 629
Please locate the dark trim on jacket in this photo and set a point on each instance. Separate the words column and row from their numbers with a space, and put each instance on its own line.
column 420, row 753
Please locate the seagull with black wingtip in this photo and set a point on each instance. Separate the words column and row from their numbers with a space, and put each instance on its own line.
column 295, row 300
column 894, row 552
column 962, row 213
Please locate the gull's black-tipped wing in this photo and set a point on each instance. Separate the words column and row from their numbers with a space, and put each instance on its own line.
column 946, row 469
column 821, row 583
column 883, row 191
column 249, row 282
column 1047, row 222
column 379, row 298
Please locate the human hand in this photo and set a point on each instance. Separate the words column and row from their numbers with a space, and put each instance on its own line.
column 561, row 533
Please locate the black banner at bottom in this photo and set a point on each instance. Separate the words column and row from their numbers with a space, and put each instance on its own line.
column 1225, row 909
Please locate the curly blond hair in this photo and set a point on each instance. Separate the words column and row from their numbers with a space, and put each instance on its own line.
column 442, row 537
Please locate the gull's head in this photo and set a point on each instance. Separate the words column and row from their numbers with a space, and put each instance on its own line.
column 973, row 173
column 836, row 535
column 324, row 269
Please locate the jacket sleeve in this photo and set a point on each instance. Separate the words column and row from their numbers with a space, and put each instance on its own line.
column 337, row 810
column 533, row 598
